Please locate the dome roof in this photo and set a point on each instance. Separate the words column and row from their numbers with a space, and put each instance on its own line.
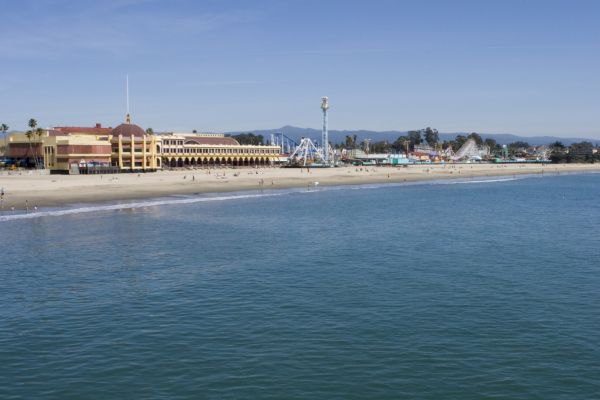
column 128, row 130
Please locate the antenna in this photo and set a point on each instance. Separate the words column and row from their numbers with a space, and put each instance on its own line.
column 127, row 116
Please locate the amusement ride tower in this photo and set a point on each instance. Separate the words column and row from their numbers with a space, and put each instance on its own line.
column 325, row 137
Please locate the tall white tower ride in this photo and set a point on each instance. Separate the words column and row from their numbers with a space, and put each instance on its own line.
column 325, row 135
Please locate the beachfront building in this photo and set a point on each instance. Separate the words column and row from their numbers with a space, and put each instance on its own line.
column 69, row 149
column 211, row 150
column 134, row 150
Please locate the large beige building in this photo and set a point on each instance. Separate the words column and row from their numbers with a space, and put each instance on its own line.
column 212, row 149
column 128, row 148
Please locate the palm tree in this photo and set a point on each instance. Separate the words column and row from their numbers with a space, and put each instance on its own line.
column 32, row 124
column 4, row 128
column 39, row 132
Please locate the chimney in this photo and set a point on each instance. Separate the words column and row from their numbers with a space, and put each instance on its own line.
column 98, row 125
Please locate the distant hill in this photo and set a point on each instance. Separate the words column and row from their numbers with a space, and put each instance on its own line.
column 336, row 136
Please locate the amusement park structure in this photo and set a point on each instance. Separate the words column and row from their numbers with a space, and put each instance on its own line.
column 325, row 135
column 471, row 150
column 309, row 154
column 285, row 143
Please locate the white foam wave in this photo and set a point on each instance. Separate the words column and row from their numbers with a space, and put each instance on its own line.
column 133, row 205
column 198, row 199
column 481, row 181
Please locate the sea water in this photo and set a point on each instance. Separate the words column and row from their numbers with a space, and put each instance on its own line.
column 468, row 290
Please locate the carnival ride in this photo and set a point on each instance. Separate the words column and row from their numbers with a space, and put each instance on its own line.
column 470, row 150
column 308, row 153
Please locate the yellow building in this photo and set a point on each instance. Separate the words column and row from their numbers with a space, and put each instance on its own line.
column 68, row 149
column 134, row 150
column 128, row 148
column 213, row 149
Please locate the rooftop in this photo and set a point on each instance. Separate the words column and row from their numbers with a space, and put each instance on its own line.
column 67, row 130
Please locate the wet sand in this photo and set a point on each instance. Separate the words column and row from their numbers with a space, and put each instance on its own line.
column 29, row 189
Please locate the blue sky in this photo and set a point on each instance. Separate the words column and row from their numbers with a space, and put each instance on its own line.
column 494, row 66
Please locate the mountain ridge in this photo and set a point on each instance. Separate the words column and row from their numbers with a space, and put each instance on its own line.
column 338, row 136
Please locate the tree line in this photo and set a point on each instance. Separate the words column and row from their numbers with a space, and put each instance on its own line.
column 413, row 138
column 249, row 139
column 559, row 153
column 35, row 132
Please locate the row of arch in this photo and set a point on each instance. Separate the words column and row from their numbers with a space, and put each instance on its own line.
column 179, row 162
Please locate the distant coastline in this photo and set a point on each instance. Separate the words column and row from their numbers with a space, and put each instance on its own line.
column 29, row 189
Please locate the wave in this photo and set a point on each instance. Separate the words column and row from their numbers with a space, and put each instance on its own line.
column 133, row 205
column 207, row 198
column 484, row 180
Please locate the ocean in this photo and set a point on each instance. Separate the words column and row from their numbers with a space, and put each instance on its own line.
column 475, row 289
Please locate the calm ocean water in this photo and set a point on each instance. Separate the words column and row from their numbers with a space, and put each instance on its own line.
column 474, row 290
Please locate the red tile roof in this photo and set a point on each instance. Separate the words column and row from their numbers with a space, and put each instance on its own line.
column 215, row 141
column 86, row 130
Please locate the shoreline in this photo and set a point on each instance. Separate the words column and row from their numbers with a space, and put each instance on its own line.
column 42, row 191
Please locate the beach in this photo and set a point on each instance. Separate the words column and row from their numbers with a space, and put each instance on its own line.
column 29, row 189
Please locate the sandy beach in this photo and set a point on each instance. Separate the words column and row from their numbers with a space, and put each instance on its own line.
column 29, row 189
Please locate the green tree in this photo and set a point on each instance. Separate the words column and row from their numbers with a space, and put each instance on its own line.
column 30, row 134
column 401, row 144
column 459, row 141
column 558, row 152
column 518, row 148
column 249, row 139
column 149, row 131
column 39, row 132
column 583, row 149
column 350, row 142
column 491, row 143
column 380, row 147
column 476, row 137
column 32, row 124
column 432, row 136
column 414, row 138
column 4, row 128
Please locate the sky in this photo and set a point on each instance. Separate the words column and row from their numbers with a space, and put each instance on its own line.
column 527, row 67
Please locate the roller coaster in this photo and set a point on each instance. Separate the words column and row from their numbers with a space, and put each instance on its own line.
column 471, row 151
